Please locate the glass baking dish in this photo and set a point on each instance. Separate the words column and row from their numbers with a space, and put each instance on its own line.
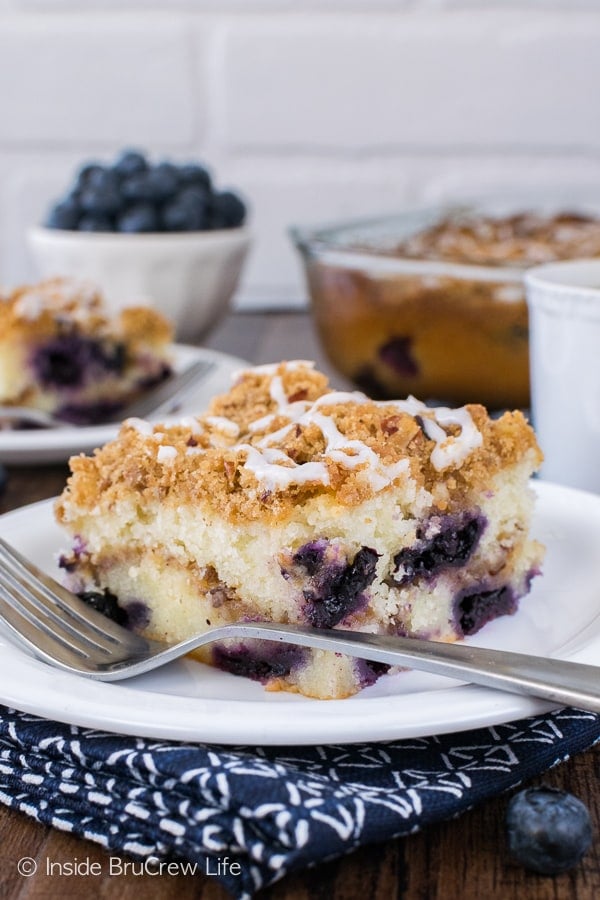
column 437, row 325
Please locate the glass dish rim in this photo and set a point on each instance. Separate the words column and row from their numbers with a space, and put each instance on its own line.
column 317, row 242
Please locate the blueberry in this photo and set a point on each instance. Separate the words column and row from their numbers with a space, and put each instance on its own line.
column 103, row 180
column 71, row 361
column 474, row 609
column 177, row 217
column 442, row 542
column 138, row 615
column 311, row 556
column 228, row 210
column 99, row 201
column 193, row 174
column 137, row 187
column 88, row 171
column 548, row 830
column 188, row 211
column 194, row 195
column 397, row 354
column 64, row 215
column 334, row 587
column 166, row 180
column 61, row 361
column 101, row 194
column 260, row 661
column 368, row 671
column 96, row 222
column 118, row 198
column 114, row 358
column 138, row 218
column 155, row 185
column 130, row 162
column 106, row 603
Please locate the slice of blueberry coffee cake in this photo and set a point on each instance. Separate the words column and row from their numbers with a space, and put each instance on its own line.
column 290, row 502
column 61, row 351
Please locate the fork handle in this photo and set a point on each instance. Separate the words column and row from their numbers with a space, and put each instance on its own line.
column 559, row 681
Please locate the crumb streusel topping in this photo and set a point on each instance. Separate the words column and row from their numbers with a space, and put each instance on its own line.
column 281, row 436
column 524, row 238
column 67, row 304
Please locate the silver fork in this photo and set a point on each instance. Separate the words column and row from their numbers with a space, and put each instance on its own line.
column 64, row 631
column 158, row 401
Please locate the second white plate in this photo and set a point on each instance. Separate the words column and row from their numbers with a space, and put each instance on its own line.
column 39, row 446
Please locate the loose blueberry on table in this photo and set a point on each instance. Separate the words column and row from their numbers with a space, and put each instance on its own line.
column 133, row 196
column 548, row 830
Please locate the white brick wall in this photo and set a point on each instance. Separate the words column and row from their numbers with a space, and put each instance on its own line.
column 316, row 109
column 77, row 81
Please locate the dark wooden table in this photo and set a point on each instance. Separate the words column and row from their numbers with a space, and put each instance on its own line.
column 464, row 859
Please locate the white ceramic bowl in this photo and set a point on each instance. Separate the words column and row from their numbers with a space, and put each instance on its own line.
column 190, row 276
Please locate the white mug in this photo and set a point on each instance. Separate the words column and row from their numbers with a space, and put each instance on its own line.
column 564, row 345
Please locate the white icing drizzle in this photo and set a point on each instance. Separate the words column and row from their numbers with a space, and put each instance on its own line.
column 271, row 368
column 278, row 394
column 341, row 397
column 266, row 466
column 140, row 425
column 450, row 449
column 348, row 453
column 433, row 431
column 166, row 453
column 284, row 408
column 454, row 450
column 221, row 423
column 352, row 453
column 305, row 419
column 30, row 306
column 411, row 405
column 276, row 470
column 192, row 423
column 260, row 424
column 75, row 299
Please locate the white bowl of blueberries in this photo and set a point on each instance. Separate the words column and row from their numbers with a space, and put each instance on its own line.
column 160, row 234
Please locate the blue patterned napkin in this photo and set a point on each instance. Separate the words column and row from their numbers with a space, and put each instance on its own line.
column 272, row 810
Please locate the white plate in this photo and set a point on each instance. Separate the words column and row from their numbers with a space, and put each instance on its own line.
column 39, row 446
column 189, row 701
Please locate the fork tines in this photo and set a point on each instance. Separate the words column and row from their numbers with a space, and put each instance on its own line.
column 52, row 620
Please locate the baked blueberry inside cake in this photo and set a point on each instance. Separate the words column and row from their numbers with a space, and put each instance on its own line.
column 61, row 351
column 290, row 502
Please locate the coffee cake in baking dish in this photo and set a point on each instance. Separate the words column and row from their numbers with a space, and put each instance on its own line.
column 291, row 502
